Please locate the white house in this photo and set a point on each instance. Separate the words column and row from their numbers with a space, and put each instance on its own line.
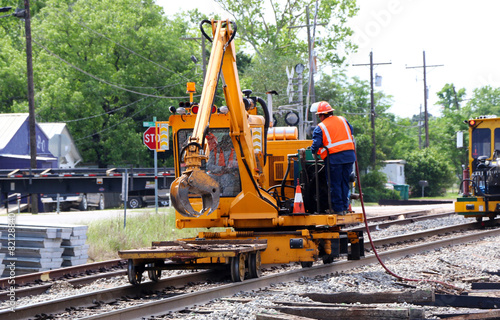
column 395, row 171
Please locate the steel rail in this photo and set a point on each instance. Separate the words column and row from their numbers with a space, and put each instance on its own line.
column 408, row 220
column 28, row 291
column 425, row 234
column 406, row 215
column 177, row 303
column 60, row 273
column 41, row 288
column 107, row 295
column 196, row 298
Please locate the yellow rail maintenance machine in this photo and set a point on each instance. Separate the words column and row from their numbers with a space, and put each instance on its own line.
column 238, row 174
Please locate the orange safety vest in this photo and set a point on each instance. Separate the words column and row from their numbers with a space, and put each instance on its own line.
column 337, row 136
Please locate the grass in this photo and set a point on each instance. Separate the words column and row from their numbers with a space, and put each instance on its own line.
column 106, row 237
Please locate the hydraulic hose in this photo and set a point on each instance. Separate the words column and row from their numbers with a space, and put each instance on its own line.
column 267, row 119
column 327, row 165
column 375, row 250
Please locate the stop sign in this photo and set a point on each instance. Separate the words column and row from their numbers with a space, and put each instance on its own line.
column 150, row 138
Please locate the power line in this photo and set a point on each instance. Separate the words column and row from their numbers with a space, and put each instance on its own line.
column 108, row 112
column 120, row 122
column 102, row 80
column 120, row 45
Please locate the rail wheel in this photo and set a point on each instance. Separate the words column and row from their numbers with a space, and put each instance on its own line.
column 154, row 275
column 306, row 264
column 134, row 272
column 328, row 258
column 254, row 265
column 238, row 268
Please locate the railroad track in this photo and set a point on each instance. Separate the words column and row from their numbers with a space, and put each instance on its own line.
column 81, row 274
column 38, row 283
column 172, row 299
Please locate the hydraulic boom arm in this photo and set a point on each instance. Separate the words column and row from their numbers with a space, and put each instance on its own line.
column 194, row 180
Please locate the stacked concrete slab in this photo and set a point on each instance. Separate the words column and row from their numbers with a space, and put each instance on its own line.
column 2, row 256
column 75, row 249
column 42, row 248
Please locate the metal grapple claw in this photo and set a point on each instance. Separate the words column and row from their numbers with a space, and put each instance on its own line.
column 194, row 182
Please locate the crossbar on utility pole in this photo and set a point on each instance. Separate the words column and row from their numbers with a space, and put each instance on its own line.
column 372, row 104
column 426, row 115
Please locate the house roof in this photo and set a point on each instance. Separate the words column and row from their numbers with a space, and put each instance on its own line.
column 9, row 125
column 53, row 128
column 395, row 161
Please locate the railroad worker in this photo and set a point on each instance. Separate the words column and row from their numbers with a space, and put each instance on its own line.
column 332, row 138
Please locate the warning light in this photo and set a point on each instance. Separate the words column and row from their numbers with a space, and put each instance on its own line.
column 472, row 122
column 191, row 87
column 195, row 108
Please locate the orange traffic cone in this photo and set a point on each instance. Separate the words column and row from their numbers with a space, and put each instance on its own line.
column 298, row 204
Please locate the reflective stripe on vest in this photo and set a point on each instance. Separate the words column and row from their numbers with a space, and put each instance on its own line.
column 334, row 147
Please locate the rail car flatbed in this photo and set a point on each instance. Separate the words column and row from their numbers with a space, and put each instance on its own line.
column 195, row 254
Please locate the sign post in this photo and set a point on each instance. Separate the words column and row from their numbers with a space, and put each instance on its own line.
column 150, row 137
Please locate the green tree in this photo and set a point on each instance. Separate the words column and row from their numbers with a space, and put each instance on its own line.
column 450, row 98
column 485, row 101
column 430, row 165
column 104, row 67
column 13, row 83
column 269, row 25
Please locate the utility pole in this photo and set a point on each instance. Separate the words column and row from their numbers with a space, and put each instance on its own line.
column 372, row 106
column 311, row 94
column 420, row 128
column 31, row 99
column 426, row 117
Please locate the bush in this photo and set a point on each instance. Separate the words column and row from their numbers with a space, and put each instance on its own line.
column 371, row 194
column 428, row 164
column 373, row 187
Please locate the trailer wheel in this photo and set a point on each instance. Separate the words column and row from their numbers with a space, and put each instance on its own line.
column 101, row 204
column 134, row 273
column 154, row 275
column 238, row 268
column 134, row 203
column 254, row 265
column 83, row 205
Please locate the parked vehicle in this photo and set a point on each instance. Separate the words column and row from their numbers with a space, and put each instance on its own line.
column 80, row 201
column 144, row 198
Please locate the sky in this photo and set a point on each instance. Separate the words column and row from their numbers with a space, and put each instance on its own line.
column 457, row 35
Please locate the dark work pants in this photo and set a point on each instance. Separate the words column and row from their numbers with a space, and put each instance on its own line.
column 339, row 186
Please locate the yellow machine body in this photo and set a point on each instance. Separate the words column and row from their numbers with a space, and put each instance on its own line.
column 481, row 183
